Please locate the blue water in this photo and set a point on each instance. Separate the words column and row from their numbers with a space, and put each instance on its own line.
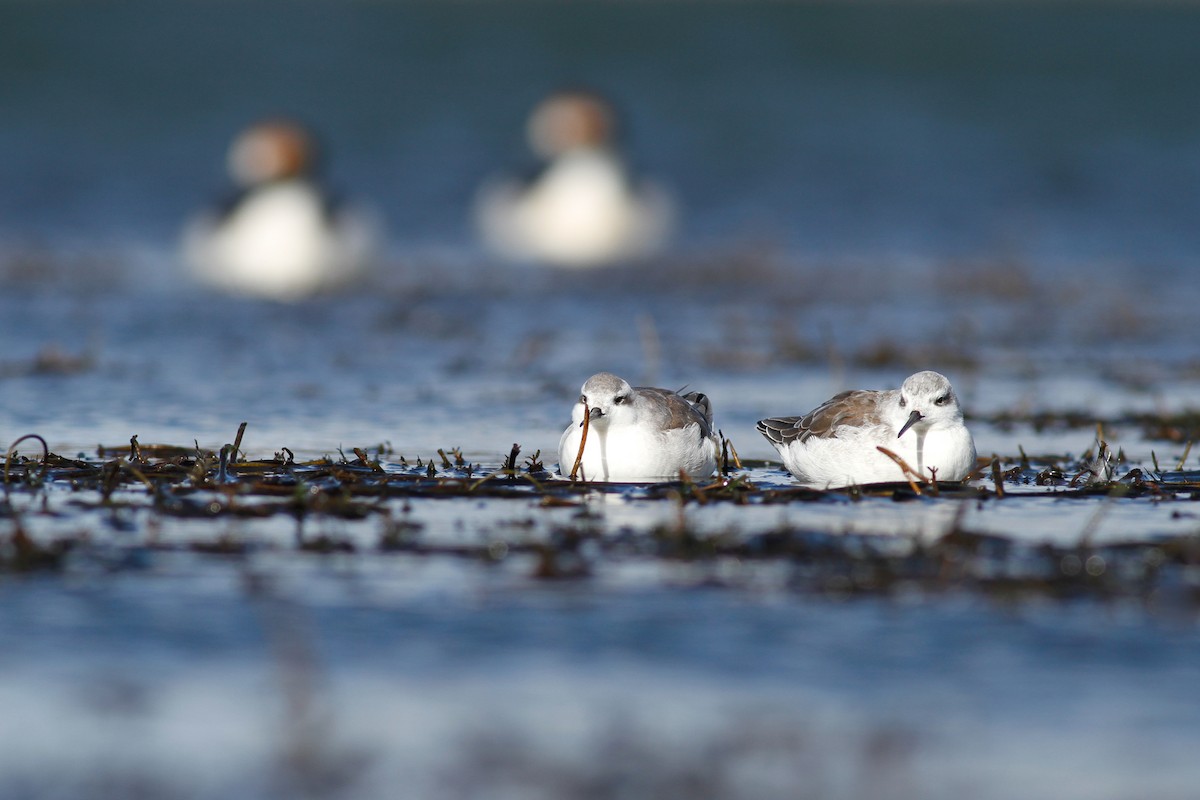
column 962, row 698
column 994, row 131
column 1007, row 192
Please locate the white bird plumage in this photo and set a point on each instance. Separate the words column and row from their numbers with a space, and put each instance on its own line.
column 639, row 434
column 583, row 209
column 836, row 444
column 282, row 238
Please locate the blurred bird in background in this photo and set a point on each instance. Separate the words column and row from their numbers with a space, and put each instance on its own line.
column 281, row 235
column 582, row 208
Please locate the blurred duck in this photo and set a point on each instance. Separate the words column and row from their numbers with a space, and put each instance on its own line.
column 281, row 235
column 583, row 208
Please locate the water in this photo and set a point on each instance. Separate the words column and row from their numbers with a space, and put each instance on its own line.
column 1048, row 133
column 1004, row 192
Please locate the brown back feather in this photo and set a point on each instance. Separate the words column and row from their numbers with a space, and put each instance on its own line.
column 847, row 408
column 690, row 409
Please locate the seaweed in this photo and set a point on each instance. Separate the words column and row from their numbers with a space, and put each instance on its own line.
column 192, row 483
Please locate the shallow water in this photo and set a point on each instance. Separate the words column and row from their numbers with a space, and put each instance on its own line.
column 1003, row 193
column 280, row 672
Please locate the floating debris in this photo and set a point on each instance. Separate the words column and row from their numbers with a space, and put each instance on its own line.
column 169, row 481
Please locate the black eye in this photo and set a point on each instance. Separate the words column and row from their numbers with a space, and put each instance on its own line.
column 941, row 401
column 583, row 399
column 903, row 402
column 620, row 399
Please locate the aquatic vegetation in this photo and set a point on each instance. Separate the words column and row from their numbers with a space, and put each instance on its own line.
column 170, row 482
column 1178, row 427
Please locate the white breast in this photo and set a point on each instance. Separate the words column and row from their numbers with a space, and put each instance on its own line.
column 630, row 453
column 279, row 243
column 949, row 450
column 580, row 213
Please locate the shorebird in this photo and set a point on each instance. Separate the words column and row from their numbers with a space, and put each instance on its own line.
column 583, row 208
column 837, row 443
column 638, row 434
column 281, row 235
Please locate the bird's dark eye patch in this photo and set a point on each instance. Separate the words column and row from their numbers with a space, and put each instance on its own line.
column 620, row 399
column 941, row 401
column 903, row 402
column 583, row 398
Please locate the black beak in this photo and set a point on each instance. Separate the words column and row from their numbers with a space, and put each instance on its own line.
column 595, row 413
column 913, row 419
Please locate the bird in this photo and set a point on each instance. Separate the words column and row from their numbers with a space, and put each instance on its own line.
column 281, row 235
column 638, row 434
column 836, row 444
column 583, row 208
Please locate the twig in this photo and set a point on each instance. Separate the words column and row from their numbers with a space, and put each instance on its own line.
column 729, row 451
column 997, row 478
column 510, row 463
column 1186, row 451
column 223, row 465
column 905, row 469
column 12, row 448
column 237, row 442
column 365, row 459
column 587, row 415
column 141, row 476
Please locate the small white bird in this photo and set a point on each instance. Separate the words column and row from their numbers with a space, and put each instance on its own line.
column 639, row 434
column 583, row 209
column 281, row 236
column 837, row 443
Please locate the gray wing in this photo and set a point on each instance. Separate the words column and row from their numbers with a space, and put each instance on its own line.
column 856, row 407
column 703, row 406
column 674, row 411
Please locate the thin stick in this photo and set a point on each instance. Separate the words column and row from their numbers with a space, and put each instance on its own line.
column 587, row 415
column 997, row 478
column 237, row 442
column 12, row 448
column 362, row 456
column 137, row 473
column 1186, row 450
column 223, row 466
column 737, row 462
column 510, row 463
column 905, row 469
